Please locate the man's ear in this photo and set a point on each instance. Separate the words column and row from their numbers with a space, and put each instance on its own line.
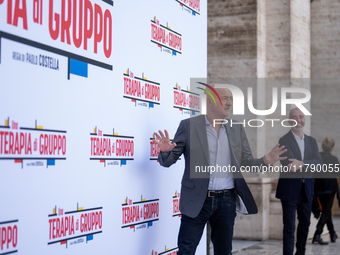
column 208, row 100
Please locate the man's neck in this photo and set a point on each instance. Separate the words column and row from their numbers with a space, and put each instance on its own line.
column 298, row 132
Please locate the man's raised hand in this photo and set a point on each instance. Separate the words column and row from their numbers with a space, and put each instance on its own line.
column 164, row 141
column 295, row 165
column 274, row 155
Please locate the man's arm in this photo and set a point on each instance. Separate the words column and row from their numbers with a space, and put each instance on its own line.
column 295, row 164
column 288, row 154
column 170, row 152
column 316, row 159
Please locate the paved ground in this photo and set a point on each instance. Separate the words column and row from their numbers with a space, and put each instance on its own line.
column 271, row 247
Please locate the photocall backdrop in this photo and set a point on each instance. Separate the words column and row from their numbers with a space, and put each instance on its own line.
column 84, row 85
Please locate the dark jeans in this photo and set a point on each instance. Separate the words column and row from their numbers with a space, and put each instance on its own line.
column 221, row 213
column 303, row 208
column 326, row 201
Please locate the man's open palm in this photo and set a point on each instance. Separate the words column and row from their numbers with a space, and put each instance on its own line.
column 164, row 142
column 274, row 155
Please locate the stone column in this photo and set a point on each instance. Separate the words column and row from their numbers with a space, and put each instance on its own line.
column 325, row 57
column 261, row 39
column 237, row 49
column 288, row 56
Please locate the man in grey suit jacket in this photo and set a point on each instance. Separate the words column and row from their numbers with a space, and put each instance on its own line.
column 212, row 195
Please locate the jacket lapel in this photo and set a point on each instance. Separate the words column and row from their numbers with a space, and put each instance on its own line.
column 202, row 136
column 296, row 149
column 307, row 146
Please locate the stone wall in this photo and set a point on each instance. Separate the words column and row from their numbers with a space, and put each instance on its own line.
column 325, row 88
column 232, row 38
column 277, row 39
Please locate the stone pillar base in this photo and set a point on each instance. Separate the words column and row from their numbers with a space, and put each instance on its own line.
column 255, row 226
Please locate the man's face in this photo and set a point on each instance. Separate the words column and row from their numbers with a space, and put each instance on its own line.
column 299, row 117
column 223, row 110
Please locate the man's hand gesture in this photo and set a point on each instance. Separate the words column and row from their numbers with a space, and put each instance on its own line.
column 164, row 141
column 274, row 155
column 295, row 165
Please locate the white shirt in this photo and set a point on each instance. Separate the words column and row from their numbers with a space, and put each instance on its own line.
column 219, row 153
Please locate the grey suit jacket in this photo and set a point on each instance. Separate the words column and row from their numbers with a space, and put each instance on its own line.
column 191, row 139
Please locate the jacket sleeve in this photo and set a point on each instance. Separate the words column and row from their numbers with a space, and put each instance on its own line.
column 289, row 154
column 316, row 158
column 286, row 172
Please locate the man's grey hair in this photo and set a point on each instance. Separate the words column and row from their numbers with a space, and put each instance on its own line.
column 293, row 109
